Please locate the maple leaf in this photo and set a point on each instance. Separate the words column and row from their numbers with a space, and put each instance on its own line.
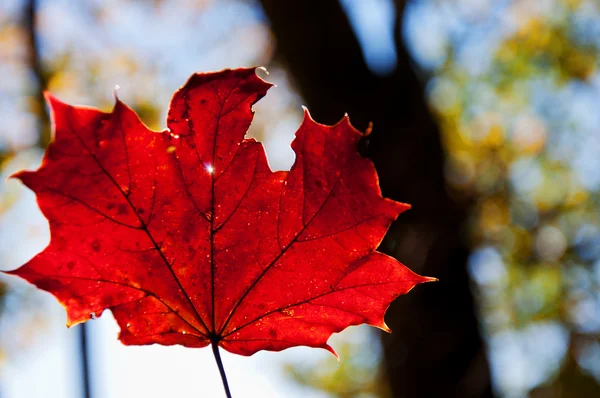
column 189, row 238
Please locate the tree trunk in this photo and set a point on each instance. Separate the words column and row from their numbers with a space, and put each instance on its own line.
column 39, row 78
column 435, row 349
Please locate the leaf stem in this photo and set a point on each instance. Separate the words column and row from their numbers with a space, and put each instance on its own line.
column 215, row 348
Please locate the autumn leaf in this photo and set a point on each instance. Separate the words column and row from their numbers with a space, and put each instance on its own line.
column 189, row 238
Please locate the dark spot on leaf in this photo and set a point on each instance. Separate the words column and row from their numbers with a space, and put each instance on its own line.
column 96, row 245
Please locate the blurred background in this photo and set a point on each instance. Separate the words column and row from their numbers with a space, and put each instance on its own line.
column 486, row 118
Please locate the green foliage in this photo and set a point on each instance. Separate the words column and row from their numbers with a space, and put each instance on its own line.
column 517, row 136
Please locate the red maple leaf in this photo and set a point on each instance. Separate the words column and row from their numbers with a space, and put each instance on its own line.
column 189, row 238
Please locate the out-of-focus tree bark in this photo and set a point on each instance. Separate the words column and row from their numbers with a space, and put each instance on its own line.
column 40, row 79
column 38, row 76
column 435, row 349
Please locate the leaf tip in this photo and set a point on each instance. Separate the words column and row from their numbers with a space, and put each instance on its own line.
column 16, row 175
column 381, row 326
column 11, row 272
column 71, row 321
column 51, row 100
column 345, row 119
column 47, row 95
column 116, row 92
column 307, row 118
column 21, row 176
column 385, row 327
column 404, row 206
column 331, row 350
